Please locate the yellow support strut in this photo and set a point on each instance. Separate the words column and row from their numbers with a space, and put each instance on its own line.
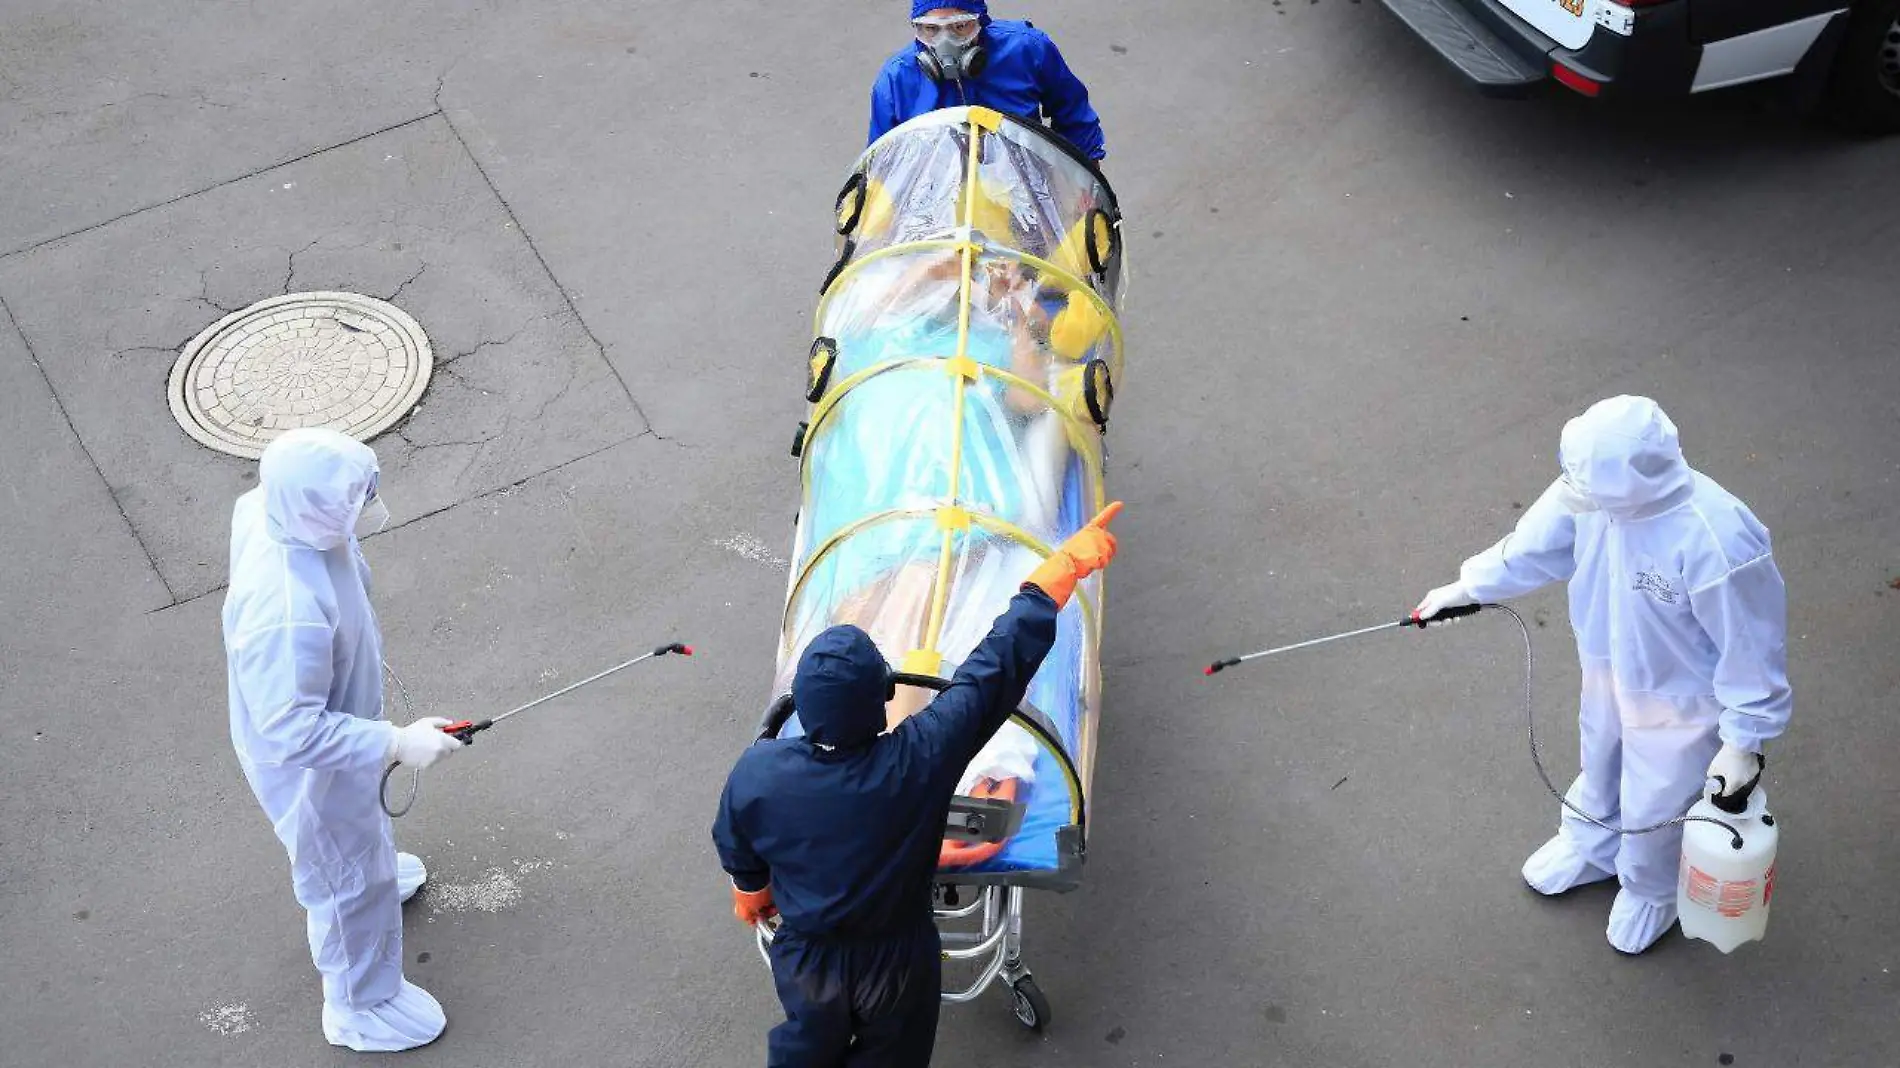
column 940, row 597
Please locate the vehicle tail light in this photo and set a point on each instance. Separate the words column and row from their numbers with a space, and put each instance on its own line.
column 1572, row 80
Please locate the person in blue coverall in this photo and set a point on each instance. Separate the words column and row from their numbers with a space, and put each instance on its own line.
column 837, row 832
column 962, row 56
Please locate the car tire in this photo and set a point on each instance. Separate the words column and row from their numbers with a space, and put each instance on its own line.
column 1864, row 86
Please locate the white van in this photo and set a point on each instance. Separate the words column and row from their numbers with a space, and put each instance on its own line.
column 1845, row 56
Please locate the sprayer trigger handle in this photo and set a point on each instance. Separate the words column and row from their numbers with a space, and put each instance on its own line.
column 464, row 730
column 1444, row 615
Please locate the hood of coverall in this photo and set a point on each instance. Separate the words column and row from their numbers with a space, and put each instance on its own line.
column 314, row 483
column 1624, row 454
column 841, row 687
column 974, row 7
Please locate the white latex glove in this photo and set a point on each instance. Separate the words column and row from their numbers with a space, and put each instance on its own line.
column 1735, row 768
column 1452, row 596
column 422, row 743
column 1009, row 755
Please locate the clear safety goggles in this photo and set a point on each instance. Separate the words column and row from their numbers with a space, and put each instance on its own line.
column 939, row 29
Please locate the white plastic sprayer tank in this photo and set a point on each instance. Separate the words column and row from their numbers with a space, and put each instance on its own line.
column 1724, row 892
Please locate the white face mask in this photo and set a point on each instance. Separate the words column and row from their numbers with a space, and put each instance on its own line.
column 1573, row 499
column 374, row 517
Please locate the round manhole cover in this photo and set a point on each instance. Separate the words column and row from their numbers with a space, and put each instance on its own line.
column 339, row 360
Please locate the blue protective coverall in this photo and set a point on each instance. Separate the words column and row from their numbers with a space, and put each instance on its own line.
column 1024, row 76
column 845, row 824
column 304, row 658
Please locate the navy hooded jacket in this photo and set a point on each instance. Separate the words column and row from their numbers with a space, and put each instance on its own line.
column 848, row 837
column 1025, row 76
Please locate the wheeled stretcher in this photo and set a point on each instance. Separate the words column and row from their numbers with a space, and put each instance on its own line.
column 966, row 356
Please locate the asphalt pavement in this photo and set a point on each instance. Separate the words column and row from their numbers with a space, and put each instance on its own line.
column 1364, row 301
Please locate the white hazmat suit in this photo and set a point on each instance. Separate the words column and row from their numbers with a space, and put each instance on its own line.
column 305, row 675
column 1681, row 619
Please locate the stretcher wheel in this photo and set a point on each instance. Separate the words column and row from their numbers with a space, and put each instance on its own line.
column 1031, row 1008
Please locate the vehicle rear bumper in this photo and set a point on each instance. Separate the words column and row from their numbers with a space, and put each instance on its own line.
column 1505, row 56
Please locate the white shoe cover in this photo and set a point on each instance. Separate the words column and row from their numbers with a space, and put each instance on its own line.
column 1557, row 867
column 412, row 1018
column 1635, row 924
column 410, row 875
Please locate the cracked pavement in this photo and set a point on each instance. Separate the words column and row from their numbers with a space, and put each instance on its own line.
column 1364, row 302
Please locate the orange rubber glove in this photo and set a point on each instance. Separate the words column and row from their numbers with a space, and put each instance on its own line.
column 752, row 906
column 954, row 854
column 1087, row 552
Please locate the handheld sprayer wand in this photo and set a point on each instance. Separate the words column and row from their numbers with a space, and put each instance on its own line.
column 1446, row 616
column 1530, row 719
column 465, row 730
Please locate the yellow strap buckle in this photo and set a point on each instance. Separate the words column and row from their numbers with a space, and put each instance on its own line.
column 922, row 662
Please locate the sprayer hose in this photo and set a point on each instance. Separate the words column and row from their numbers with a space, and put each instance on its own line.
column 1537, row 760
column 415, row 774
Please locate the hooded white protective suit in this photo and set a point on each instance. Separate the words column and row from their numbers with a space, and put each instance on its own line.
column 305, row 675
column 1681, row 624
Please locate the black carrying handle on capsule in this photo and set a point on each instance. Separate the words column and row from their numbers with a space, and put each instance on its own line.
column 1100, row 257
column 856, row 194
column 820, row 360
column 845, row 253
column 1098, row 391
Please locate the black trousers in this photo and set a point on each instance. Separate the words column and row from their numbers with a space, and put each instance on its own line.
column 867, row 1003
